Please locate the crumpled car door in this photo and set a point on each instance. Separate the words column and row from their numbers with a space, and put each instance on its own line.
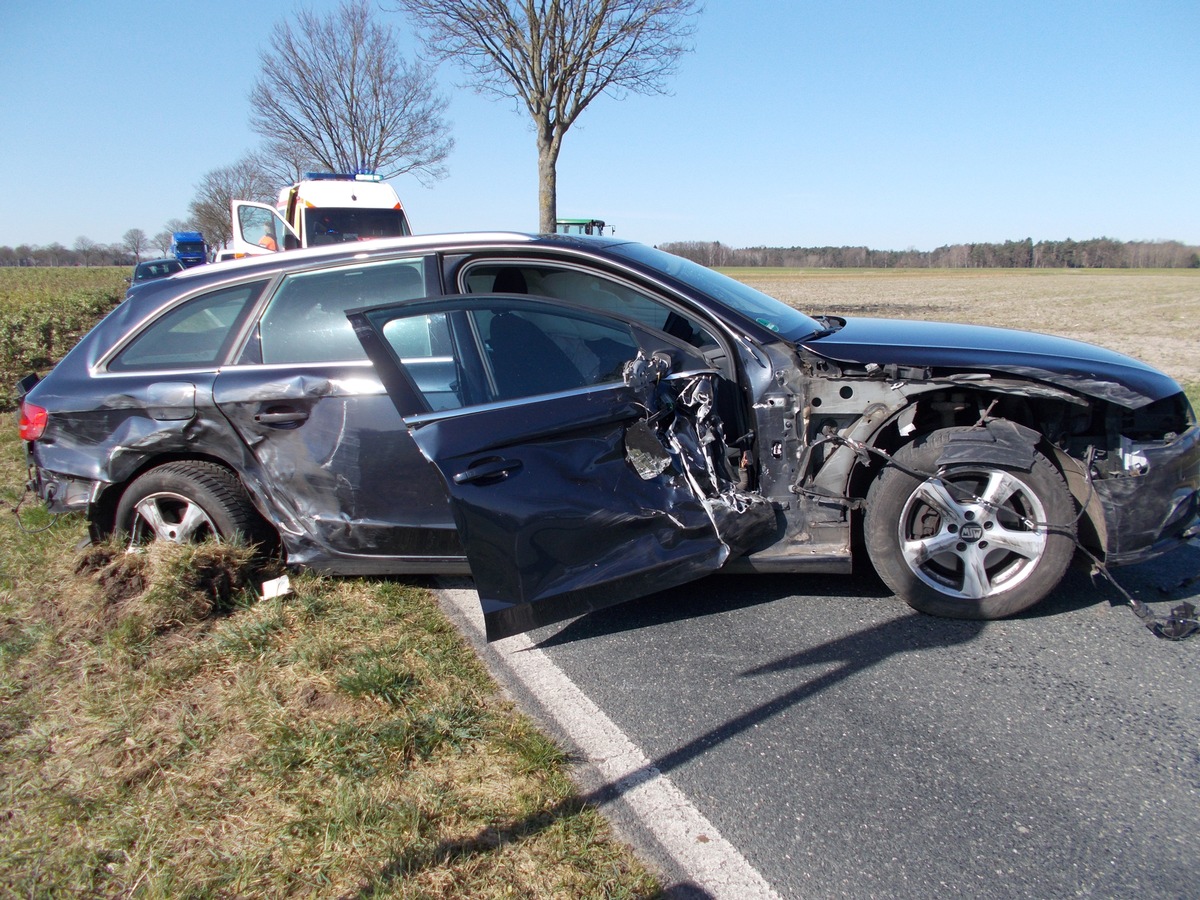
column 581, row 453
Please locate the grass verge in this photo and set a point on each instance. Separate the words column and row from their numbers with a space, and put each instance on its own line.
column 162, row 733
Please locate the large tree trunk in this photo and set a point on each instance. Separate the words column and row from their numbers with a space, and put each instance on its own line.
column 547, row 184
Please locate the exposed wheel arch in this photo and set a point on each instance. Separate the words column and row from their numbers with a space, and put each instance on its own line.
column 889, row 439
column 978, row 539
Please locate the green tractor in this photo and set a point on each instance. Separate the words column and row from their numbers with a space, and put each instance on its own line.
column 580, row 226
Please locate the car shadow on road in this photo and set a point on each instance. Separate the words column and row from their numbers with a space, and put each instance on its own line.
column 715, row 595
column 896, row 630
column 850, row 655
column 1167, row 578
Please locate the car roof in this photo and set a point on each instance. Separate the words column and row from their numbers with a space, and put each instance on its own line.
column 271, row 263
column 150, row 293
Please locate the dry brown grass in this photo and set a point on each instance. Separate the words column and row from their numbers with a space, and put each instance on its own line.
column 163, row 734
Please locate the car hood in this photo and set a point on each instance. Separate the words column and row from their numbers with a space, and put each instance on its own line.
column 1073, row 365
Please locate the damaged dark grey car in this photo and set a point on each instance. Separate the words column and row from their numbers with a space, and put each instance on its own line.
column 578, row 422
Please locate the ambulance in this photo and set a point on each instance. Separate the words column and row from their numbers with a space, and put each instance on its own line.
column 323, row 208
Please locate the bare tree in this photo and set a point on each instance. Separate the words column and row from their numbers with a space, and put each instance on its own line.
column 245, row 179
column 287, row 165
column 136, row 242
column 336, row 91
column 86, row 248
column 162, row 243
column 54, row 254
column 557, row 56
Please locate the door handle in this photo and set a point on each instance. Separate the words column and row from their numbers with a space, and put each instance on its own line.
column 494, row 469
column 281, row 418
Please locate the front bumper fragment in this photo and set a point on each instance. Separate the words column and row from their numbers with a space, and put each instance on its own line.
column 1150, row 513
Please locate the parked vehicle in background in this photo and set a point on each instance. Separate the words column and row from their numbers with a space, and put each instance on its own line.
column 321, row 209
column 188, row 247
column 151, row 269
column 608, row 420
column 581, row 226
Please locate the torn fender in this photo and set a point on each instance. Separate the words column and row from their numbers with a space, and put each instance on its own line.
column 998, row 442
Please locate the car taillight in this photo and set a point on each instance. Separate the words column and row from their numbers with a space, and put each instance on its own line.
column 33, row 422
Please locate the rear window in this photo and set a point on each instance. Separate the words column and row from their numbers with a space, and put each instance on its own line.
column 149, row 270
column 194, row 335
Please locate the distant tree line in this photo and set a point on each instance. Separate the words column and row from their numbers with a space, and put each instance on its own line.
column 134, row 246
column 86, row 253
column 1097, row 253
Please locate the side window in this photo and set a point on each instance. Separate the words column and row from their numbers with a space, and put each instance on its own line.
column 419, row 337
column 589, row 289
column 306, row 322
column 195, row 334
column 541, row 352
column 422, row 342
column 507, row 350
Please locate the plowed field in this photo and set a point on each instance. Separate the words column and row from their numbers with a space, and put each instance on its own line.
column 1153, row 315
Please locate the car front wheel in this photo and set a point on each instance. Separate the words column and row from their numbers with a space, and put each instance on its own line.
column 186, row 502
column 968, row 541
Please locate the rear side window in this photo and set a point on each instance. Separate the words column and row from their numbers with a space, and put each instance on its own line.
column 194, row 335
column 306, row 319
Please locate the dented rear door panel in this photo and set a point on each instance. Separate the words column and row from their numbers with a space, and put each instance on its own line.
column 340, row 466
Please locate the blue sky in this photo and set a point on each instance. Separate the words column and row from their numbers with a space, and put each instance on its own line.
column 891, row 124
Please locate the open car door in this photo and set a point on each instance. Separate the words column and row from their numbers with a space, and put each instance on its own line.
column 580, row 451
column 259, row 229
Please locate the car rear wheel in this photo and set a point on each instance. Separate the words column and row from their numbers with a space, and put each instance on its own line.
column 971, row 541
column 186, row 502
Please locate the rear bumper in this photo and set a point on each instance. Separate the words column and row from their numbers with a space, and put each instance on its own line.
column 63, row 493
column 1148, row 514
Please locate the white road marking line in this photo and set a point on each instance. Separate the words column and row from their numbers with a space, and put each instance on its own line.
column 693, row 842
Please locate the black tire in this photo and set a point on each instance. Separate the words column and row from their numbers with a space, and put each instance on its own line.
column 946, row 550
column 187, row 502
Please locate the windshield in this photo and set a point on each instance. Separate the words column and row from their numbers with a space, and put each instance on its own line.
column 788, row 323
column 333, row 226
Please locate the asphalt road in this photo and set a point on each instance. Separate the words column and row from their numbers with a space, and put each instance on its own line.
column 849, row 747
